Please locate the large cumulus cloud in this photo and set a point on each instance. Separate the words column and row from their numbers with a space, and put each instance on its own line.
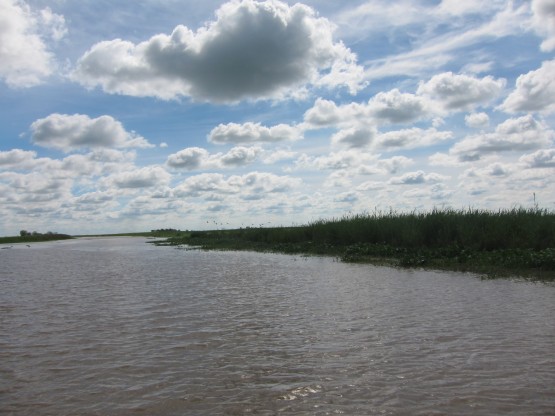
column 253, row 50
column 70, row 132
column 516, row 134
column 534, row 91
column 460, row 92
column 544, row 22
column 25, row 59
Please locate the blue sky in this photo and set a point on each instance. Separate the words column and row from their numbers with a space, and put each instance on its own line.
column 130, row 116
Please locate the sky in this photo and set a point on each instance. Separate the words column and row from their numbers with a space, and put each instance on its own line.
column 123, row 116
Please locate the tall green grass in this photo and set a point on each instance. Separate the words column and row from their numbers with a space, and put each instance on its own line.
column 469, row 239
column 472, row 228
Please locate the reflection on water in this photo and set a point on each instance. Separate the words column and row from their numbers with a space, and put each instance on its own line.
column 116, row 326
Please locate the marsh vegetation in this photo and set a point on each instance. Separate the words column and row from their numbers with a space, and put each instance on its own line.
column 517, row 241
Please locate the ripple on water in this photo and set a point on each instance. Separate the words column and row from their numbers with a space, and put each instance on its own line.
column 119, row 327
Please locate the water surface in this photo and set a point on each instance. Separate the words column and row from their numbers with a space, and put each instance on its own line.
column 114, row 326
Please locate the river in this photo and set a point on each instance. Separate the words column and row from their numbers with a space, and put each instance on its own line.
column 115, row 326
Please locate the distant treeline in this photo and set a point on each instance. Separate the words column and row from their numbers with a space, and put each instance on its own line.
column 469, row 239
column 166, row 232
column 34, row 236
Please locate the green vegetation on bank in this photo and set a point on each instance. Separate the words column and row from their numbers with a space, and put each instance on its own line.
column 33, row 237
column 518, row 241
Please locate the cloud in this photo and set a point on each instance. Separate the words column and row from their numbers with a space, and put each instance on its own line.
column 279, row 155
column 148, row 177
column 24, row 56
column 194, row 158
column 534, row 91
column 70, row 132
column 391, row 107
column 412, row 138
column 244, row 186
column 460, row 92
column 253, row 133
column 544, row 158
column 253, row 50
column 190, row 158
column 477, row 120
column 16, row 158
column 347, row 197
column 94, row 198
column 396, row 107
column 35, row 187
column 354, row 137
column 544, row 22
column 515, row 134
column 343, row 159
column 325, row 113
column 440, row 37
column 417, row 178
column 240, row 156
column 395, row 164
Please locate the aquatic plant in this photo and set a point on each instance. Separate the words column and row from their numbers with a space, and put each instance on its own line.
column 466, row 239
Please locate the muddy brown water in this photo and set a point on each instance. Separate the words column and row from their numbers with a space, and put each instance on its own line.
column 115, row 326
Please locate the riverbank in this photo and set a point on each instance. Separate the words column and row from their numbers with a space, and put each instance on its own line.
column 496, row 244
column 34, row 238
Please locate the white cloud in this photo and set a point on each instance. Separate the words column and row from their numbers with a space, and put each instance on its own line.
column 453, row 8
column 354, row 137
column 520, row 134
column 343, row 159
column 384, row 108
column 396, row 107
column 433, row 49
column 412, row 138
column 544, row 22
column 253, row 133
column 240, row 156
column 52, row 25
column 211, row 184
column 459, row 92
column 325, row 113
column 279, row 155
column 477, row 120
column 24, row 56
column 147, row 177
column 544, row 158
column 253, row 50
column 190, row 158
column 35, row 187
column 16, row 158
column 534, row 91
column 395, row 164
column 195, row 158
column 417, row 178
column 495, row 170
column 443, row 159
column 70, row 132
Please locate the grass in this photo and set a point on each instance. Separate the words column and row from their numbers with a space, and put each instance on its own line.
column 496, row 243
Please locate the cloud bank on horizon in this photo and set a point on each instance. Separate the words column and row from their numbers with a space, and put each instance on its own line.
column 246, row 112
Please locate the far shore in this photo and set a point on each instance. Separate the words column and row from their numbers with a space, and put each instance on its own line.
column 34, row 238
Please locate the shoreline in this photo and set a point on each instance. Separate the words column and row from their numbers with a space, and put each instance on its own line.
column 476, row 263
column 511, row 243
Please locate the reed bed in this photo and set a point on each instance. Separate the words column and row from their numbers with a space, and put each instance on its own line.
column 470, row 239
